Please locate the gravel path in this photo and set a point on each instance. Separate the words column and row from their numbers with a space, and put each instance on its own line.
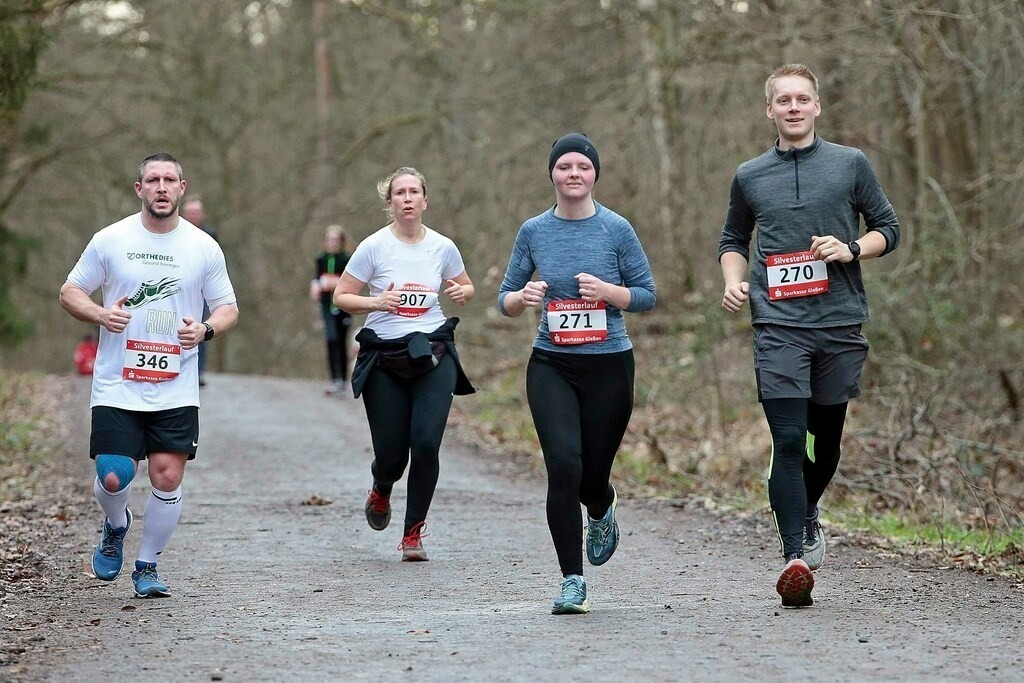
column 267, row 588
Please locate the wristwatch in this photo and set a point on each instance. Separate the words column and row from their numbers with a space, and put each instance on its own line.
column 854, row 249
column 209, row 332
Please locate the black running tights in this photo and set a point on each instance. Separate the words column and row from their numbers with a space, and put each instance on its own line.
column 407, row 418
column 795, row 482
column 581, row 406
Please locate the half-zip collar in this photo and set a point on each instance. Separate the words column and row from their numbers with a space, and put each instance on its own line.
column 796, row 155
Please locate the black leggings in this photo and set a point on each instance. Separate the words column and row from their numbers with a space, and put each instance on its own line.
column 336, row 334
column 795, row 482
column 581, row 406
column 407, row 419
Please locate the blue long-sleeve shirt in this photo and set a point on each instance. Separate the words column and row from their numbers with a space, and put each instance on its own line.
column 603, row 245
column 791, row 196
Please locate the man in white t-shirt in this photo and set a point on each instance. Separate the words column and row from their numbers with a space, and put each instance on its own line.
column 154, row 271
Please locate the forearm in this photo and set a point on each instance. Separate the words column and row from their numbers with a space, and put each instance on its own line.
column 734, row 268
column 618, row 296
column 75, row 301
column 872, row 245
column 355, row 304
column 512, row 304
column 223, row 318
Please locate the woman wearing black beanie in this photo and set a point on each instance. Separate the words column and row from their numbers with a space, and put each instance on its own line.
column 590, row 268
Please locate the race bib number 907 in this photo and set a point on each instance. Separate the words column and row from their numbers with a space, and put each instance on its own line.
column 415, row 300
column 796, row 274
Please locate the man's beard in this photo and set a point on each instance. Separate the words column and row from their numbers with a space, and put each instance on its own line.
column 162, row 214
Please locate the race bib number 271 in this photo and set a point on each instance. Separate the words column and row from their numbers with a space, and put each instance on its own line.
column 796, row 274
column 575, row 321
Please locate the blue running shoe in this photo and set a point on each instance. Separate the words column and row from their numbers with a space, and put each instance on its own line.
column 108, row 558
column 573, row 599
column 603, row 535
column 147, row 583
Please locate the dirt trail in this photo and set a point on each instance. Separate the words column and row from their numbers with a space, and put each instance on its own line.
column 267, row 589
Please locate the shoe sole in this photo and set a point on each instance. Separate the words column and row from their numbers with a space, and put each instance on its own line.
column 571, row 608
column 795, row 584
column 415, row 557
column 154, row 594
column 377, row 526
column 128, row 527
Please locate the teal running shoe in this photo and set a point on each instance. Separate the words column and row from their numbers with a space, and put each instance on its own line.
column 814, row 543
column 108, row 558
column 573, row 599
column 147, row 583
column 603, row 534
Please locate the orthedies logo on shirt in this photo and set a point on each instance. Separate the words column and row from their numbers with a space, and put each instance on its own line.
column 148, row 292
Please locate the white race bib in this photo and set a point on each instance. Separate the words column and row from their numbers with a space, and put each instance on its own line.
column 415, row 300
column 796, row 274
column 146, row 361
column 574, row 321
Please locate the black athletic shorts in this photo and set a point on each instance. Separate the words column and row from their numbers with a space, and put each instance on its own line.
column 138, row 433
column 821, row 364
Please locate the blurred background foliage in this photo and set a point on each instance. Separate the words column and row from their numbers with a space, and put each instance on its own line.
column 284, row 113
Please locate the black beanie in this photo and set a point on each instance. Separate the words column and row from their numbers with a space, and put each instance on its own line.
column 574, row 142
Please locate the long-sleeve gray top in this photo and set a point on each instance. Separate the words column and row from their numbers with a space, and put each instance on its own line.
column 822, row 189
column 603, row 245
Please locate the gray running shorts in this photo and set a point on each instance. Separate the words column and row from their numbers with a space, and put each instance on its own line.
column 137, row 433
column 820, row 364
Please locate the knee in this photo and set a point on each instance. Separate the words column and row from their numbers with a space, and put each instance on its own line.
column 166, row 473
column 564, row 473
column 789, row 440
column 115, row 472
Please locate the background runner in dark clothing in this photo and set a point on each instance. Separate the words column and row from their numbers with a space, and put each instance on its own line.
column 329, row 265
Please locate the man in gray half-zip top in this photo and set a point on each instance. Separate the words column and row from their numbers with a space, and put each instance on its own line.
column 803, row 280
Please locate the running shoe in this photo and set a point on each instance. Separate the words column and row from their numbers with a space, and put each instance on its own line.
column 412, row 545
column 795, row 584
column 573, row 599
column 108, row 558
column 378, row 510
column 147, row 583
column 603, row 534
column 814, row 543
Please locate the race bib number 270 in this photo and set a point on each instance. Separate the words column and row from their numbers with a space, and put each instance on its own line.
column 796, row 274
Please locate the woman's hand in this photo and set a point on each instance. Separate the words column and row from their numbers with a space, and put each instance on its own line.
column 387, row 300
column 591, row 288
column 533, row 293
column 456, row 292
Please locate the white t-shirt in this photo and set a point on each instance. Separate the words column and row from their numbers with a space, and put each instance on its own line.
column 418, row 272
column 166, row 278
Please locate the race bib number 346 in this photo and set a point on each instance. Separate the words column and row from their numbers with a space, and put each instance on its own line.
column 146, row 361
column 574, row 321
column 796, row 274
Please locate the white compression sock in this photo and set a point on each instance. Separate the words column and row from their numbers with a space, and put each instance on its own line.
column 162, row 511
column 113, row 504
